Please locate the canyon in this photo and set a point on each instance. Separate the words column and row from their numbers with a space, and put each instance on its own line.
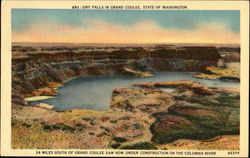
column 140, row 117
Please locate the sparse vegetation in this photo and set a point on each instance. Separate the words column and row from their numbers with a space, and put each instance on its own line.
column 119, row 139
column 219, row 73
column 58, row 126
column 114, row 145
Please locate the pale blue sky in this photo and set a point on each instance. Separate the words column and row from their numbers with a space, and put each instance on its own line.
column 183, row 20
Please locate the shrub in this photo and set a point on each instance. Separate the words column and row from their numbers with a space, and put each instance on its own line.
column 58, row 126
column 119, row 139
column 115, row 145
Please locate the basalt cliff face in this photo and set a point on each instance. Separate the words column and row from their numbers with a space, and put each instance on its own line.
column 33, row 70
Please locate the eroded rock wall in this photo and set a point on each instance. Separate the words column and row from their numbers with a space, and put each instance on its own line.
column 34, row 70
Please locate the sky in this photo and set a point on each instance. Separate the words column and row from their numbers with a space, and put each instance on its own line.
column 122, row 26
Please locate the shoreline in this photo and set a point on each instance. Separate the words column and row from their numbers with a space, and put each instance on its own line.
column 37, row 98
column 56, row 86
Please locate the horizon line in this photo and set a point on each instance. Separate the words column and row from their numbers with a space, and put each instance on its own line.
column 122, row 43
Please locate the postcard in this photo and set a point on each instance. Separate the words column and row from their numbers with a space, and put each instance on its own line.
column 125, row 78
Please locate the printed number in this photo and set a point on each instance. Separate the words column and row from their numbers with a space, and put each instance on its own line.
column 233, row 152
column 75, row 7
column 38, row 152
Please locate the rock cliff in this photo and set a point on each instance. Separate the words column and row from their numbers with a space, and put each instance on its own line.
column 37, row 69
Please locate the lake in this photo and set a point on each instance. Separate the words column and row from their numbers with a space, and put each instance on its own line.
column 94, row 92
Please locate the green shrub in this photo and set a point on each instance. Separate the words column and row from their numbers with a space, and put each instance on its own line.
column 26, row 125
column 58, row 126
column 119, row 139
column 114, row 145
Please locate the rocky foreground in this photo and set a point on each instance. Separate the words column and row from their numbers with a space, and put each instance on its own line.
column 145, row 116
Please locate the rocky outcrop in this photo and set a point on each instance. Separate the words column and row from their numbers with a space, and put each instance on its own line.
column 196, row 87
column 219, row 73
column 190, row 115
column 195, row 117
column 138, row 73
column 196, row 121
column 193, row 111
column 149, row 100
column 230, row 54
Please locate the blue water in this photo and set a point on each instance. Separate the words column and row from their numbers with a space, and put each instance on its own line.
column 94, row 92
